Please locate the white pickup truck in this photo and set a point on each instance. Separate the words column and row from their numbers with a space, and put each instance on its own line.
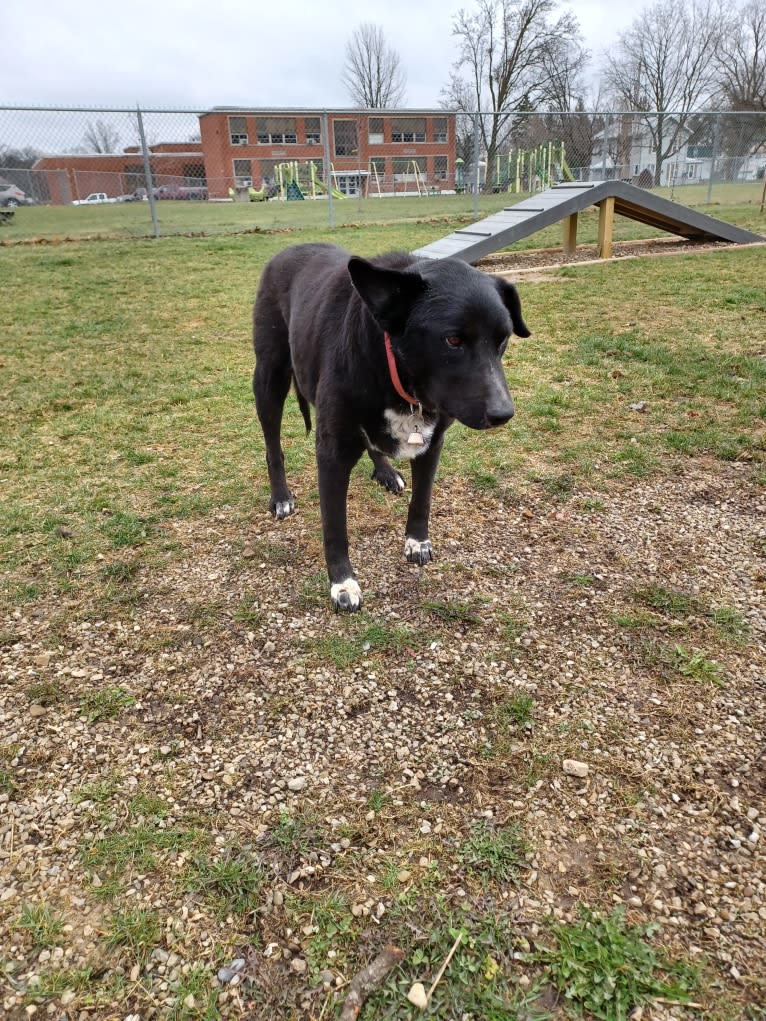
column 96, row 198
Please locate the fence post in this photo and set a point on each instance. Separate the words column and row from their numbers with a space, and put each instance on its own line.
column 476, row 152
column 713, row 156
column 148, row 173
column 328, row 170
column 607, row 125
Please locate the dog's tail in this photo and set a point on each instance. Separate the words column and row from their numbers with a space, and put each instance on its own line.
column 303, row 404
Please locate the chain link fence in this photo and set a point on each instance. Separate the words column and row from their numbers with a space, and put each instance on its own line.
column 139, row 172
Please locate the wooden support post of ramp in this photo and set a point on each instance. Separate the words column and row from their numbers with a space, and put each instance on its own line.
column 605, row 224
column 570, row 234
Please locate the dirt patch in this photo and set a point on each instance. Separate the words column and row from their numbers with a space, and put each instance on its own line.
column 541, row 263
column 546, row 650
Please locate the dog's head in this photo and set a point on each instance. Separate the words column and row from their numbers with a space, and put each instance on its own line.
column 450, row 325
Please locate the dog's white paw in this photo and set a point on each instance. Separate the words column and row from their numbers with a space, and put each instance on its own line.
column 418, row 552
column 390, row 479
column 346, row 596
column 283, row 509
column 396, row 483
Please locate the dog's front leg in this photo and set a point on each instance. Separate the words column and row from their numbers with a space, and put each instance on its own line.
column 417, row 546
column 334, row 471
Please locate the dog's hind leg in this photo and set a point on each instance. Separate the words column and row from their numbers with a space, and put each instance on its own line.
column 271, row 383
column 384, row 473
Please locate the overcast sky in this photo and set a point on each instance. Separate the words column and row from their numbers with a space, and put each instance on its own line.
column 195, row 54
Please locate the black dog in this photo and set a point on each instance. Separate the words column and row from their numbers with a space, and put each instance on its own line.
column 390, row 353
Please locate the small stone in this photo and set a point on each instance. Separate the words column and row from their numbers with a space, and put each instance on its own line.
column 404, row 876
column 298, row 965
column 37, row 710
column 425, row 826
column 574, row 768
column 190, row 1002
column 231, row 972
column 297, row 783
column 417, row 996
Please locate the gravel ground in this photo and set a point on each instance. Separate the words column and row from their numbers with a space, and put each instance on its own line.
column 239, row 717
column 526, row 263
column 234, row 698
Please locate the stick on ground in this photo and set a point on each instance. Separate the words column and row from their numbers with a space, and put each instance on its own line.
column 368, row 979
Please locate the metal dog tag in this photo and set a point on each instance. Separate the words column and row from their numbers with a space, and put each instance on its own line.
column 415, row 439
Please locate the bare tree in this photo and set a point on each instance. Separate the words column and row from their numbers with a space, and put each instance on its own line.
column 100, row 137
column 373, row 74
column 514, row 55
column 741, row 59
column 11, row 158
column 663, row 63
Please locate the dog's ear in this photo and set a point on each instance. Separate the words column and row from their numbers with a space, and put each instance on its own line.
column 388, row 293
column 510, row 299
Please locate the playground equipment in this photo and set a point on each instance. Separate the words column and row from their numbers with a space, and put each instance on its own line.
column 563, row 202
column 524, row 170
column 297, row 180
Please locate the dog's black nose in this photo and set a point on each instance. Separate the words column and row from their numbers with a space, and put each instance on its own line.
column 500, row 415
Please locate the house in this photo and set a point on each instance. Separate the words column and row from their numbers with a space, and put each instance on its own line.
column 623, row 150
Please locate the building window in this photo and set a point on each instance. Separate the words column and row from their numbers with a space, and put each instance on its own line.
column 313, row 131
column 440, row 129
column 375, row 130
column 346, row 138
column 440, row 168
column 409, row 169
column 408, row 129
column 377, row 169
column 243, row 174
column 194, row 173
column 275, row 131
column 134, row 177
column 268, row 170
column 238, row 130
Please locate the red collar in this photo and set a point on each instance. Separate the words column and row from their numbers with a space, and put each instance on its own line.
column 395, row 374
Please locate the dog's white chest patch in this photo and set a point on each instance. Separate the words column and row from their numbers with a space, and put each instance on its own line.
column 411, row 433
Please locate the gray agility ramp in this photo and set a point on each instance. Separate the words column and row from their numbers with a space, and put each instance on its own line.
column 564, row 202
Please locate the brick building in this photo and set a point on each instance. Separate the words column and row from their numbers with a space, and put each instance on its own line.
column 370, row 153
column 62, row 179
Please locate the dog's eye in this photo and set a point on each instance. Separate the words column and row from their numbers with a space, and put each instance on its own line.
column 454, row 341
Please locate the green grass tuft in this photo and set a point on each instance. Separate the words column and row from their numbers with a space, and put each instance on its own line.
column 606, row 967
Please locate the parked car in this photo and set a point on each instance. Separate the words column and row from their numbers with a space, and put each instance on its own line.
column 173, row 191
column 12, row 196
column 95, row 198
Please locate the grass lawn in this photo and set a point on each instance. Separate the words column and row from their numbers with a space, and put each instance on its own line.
column 127, row 370
column 737, row 203
column 175, row 644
